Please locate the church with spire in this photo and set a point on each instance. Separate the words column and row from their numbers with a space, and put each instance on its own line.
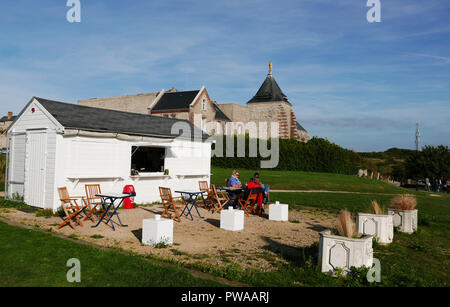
column 269, row 105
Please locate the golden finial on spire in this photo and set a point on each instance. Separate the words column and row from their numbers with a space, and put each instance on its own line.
column 270, row 67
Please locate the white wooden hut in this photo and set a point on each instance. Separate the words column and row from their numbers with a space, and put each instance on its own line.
column 54, row 144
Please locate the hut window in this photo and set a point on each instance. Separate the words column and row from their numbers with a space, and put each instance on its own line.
column 148, row 159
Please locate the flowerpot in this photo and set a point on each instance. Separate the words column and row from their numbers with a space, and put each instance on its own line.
column 405, row 220
column 341, row 252
column 378, row 225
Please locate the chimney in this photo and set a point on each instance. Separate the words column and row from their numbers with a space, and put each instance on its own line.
column 10, row 115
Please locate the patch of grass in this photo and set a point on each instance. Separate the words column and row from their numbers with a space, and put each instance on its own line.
column 161, row 245
column 73, row 236
column 4, row 203
column 31, row 258
column 334, row 201
column 47, row 213
column 178, row 253
column 294, row 221
column 97, row 237
column 293, row 180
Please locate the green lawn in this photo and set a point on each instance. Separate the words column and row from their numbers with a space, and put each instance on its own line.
column 31, row 258
column 285, row 180
column 419, row 259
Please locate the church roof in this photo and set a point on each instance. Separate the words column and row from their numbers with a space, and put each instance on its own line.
column 269, row 91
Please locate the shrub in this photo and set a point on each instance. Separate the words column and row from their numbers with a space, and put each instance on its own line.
column 346, row 226
column 403, row 202
column 375, row 208
column 318, row 155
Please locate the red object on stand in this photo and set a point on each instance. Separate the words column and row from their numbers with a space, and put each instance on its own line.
column 128, row 203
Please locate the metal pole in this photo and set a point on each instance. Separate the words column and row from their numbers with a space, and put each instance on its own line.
column 417, row 137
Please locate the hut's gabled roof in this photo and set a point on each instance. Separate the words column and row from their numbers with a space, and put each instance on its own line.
column 74, row 116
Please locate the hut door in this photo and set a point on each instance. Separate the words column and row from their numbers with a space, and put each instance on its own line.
column 35, row 168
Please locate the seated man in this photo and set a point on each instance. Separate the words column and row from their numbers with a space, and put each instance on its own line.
column 256, row 185
column 265, row 187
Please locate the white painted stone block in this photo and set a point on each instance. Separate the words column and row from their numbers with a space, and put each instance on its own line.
column 279, row 212
column 157, row 230
column 341, row 252
column 377, row 225
column 231, row 219
column 405, row 220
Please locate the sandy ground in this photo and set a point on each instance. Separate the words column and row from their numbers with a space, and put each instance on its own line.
column 201, row 240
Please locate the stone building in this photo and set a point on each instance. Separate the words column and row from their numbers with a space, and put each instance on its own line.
column 269, row 105
column 5, row 122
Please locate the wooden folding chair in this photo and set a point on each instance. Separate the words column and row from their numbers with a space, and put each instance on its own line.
column 206, row 200
column 93, row 201
column 71, row 208
column 249, row 204
column 169, row 204
column 219, row 199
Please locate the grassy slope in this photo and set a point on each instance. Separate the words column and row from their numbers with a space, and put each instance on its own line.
column 420, row 259
column 285, row 180
column 31, row 258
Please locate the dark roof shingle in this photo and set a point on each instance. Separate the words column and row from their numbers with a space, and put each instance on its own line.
column 175, row 101
column 219, row 113
column 73, row 116
column 300, row 127
column 6, row 119
column 269, row 92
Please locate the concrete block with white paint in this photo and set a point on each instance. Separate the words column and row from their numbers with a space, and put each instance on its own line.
column 157, row 230
column 279, row 212
column 231, row 219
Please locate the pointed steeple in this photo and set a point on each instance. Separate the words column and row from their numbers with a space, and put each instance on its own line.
column 269, row 91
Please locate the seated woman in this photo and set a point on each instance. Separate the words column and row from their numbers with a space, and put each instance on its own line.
column 265, row 187
column 234, row 182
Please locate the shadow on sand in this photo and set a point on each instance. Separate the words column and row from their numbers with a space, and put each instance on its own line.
column 296, row 256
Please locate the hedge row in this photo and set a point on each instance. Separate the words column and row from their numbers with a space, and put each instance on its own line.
column 318, row 155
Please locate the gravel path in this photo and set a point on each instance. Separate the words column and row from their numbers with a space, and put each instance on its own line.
column 202, row 240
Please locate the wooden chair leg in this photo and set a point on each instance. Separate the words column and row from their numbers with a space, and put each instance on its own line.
column 166, row 213
column 176, row 214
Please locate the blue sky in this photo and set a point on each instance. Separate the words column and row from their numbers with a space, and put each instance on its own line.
column 361, row 85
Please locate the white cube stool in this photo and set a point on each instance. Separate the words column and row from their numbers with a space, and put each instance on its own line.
column 279, row 212
column 231, row 219
column 157, row 230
